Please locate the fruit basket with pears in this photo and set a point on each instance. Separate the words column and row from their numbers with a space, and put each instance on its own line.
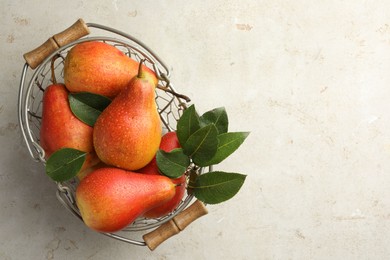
column 126, row 150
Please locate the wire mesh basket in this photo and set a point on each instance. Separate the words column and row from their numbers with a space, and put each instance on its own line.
column 37, row 75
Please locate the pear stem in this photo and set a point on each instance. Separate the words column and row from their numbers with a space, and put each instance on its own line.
column 53, row 76
column 140, row 71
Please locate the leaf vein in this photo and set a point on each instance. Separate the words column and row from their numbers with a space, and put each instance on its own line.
column 201, row 143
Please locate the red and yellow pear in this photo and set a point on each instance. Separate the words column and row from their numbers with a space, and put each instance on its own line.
column 127, row 133
column 110, row 199
column 61, row 129
column 100, row 68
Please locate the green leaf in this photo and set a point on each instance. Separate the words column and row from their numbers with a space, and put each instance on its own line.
column 172, row 164
column 87, row 106
column 202, row 145
column 216, row 187
column 217, row 116
column 65, row 163
column 228, row 143
column 187, row 124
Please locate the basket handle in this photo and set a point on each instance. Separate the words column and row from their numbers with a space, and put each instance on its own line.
column 74, row 32
column 178, row 223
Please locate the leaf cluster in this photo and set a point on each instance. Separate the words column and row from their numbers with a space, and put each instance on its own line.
column 205, row 141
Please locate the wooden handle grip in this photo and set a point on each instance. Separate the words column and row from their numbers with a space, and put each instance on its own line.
column 74, row 32
column 154, row 238
column 187, row 216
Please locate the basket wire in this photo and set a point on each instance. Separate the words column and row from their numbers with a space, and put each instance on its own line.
column 170, row 107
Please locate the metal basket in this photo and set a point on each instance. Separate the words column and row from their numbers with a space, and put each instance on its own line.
column 34, row 81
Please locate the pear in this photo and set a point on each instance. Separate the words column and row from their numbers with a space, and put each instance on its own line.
column 100, row 68
column 127, row 133
column 110, row 199
column 169, row 141
column 61, row 129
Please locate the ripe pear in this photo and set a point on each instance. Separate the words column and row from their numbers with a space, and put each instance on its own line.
column 127, row 133
column 61, row 129
column 100, row 68
column 110, row 199
column 169, row 141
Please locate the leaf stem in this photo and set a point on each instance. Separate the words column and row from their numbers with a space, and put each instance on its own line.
column 187, row 99
column 193, row 175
